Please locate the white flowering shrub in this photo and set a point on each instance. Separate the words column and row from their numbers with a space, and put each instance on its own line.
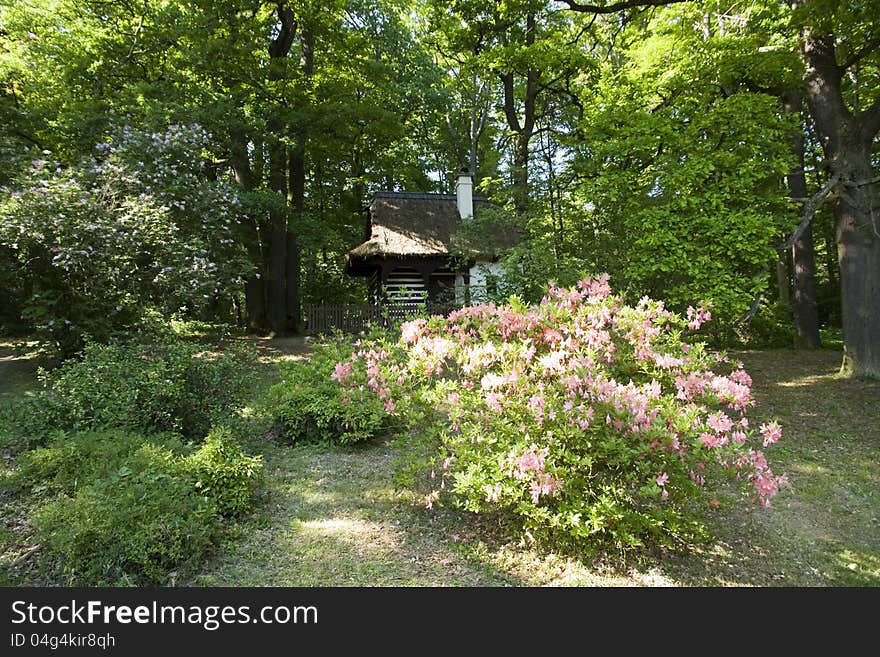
column 141, row 224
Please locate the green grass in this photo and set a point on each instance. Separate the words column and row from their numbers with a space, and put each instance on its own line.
column 332, row 517
column 18, row 369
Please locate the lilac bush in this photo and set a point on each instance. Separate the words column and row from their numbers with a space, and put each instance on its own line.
column 142, row 224
column 584, row 417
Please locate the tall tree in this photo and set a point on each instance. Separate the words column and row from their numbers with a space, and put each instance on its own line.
column 806, row 315
column 840, row 45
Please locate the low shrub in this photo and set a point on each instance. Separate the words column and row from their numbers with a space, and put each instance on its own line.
column 137, row 525
column 225, row 474
column 584, row 417
column 168, row 385
column 309, row 406
column 70, row 461
column 131, row 509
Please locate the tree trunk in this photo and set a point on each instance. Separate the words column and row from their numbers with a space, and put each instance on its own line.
column 783, row 283
column 858, row 249
column 276, row 279
column 806, row 311
column 296, row 194
column 256, row 228
column 806, row 315
column 276, row 285
column 846, row 142
column 255, row 304
column 296, row 200
column 523, row 131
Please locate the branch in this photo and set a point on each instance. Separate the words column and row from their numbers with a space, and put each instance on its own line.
column 862, row 183
column 618, row 6
column 23, row 557
column 861, row 53
column 810, row 206
column 33, row 140
column 756, row 304
column 870, row 119
column 280, row 45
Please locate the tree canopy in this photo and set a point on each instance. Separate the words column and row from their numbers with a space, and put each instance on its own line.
column 214, row 157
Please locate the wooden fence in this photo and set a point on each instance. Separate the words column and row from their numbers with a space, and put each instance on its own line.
column 354, row 318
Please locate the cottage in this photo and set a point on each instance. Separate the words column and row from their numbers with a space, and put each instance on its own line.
column 419, row 248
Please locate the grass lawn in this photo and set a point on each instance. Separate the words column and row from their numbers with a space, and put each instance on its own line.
column 332, row 517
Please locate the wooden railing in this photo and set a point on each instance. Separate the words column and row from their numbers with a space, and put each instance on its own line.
column 354, row 318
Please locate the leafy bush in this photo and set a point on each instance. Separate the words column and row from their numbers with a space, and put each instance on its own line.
column 225, row 474
column 140, row 224
column 71, row 461
column 168, row 385
column 135, row 525
column 132, row 509
column 583, row 417
column 309, row 406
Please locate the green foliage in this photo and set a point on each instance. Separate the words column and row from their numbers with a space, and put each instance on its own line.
column 225, row 474
column 127, row 508
column 309, row 406
column 138, row 524
column 691, row 191
column 138, row 225
column 165, row 385
column 70, row 461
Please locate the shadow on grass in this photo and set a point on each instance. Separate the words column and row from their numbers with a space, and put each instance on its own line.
column 18, row 371
column 825, row 529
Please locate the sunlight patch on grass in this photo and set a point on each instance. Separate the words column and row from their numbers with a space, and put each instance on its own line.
column 350, row 530
column 809, row 468
column 855, row 568
column 806, row 381
column 320, row 498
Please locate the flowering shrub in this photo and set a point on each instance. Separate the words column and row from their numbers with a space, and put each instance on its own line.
column 143, row 223
column 310, row 406
column 582, row 416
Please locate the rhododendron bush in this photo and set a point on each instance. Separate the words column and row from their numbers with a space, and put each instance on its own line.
column 583, row 416
column 143, row 224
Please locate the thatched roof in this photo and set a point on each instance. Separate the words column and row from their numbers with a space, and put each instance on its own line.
column 410, row 225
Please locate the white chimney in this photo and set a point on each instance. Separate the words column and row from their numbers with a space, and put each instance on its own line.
column 464, row 194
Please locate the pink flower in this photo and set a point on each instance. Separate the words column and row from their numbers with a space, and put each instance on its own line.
column 410, row 331
column 530, row 461
column 662, row 478
column 544, row 484
column 697, row 317
column 341, row 371
column 720, row 422
column 767, row 486
column 493, row 401
column 653, row 390
column 772, row 432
